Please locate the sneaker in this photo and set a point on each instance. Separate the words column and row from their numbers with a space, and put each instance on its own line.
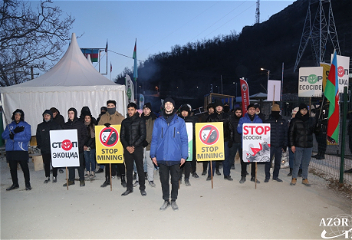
column 293, row 181
column 82, row 183
column 135, row 184
column 243, row 179
column 277, row 179
column 266, row 180
column 174, row 205
column 69, row 183
column 47, row 180
column 54, row 179
column 143, row 193
column 204, row 172
column 187, row 183
column 208, row 178
column 151, row 183
column 252, row 179
column 228, row 178
column 92, row 174
column 100, row 170
column 306, row 182
column 195, row 175
column 165, row 205
column 218, row 172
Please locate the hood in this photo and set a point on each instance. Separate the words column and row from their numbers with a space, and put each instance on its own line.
column 75, row 111
column 85, row 111
column 18, row 111
column 47, row 111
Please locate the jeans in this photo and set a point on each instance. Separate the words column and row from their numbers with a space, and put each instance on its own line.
column 89, row 157
column 164, row 173
column 71, row 170
column 302, row 155
column 226, row 165
column 233, row 150
column 136, row 156
column 47, row 163
column 277, row 151
column 148, row 165
column 291, row 158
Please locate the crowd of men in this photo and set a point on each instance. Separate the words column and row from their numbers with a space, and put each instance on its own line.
column 152, row 142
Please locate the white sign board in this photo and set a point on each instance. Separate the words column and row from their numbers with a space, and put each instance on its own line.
column 274, row 90
column 310, row 82
column 189, row 128
column 256, row 142
column 343, row 66
column 64, row 148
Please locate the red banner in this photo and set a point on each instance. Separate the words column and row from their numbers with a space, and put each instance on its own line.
column 244, row 94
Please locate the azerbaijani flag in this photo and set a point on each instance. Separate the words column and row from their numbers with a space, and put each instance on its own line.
column 332, row 94
column 94, row 53
column 135, row 72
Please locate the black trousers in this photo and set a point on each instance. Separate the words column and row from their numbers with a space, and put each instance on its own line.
column 114, row 167
column 321, row 140
column 47, row 163
column 206, row 163
column 18, row 157
column 186, row 168
column 194, row 164
column 164, row 173
column 137, row 157
column 71, row 170
column 244, row 169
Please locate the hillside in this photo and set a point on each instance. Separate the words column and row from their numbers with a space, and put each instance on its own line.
column 187, row 72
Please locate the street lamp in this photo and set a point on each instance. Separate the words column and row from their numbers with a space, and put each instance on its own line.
column 263, row 69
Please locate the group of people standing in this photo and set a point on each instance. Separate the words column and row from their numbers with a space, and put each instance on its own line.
column 160, row 142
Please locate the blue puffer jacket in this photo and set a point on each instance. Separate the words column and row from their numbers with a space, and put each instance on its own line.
column 169, row 141
column 21, row 139
column 246, row 119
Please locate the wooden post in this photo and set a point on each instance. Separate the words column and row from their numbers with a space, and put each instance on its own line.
column 66, row 178
column 211, row 173
column 255, row 179
column 110, row 177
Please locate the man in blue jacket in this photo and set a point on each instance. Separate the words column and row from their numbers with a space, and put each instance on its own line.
column 169, row 151
column 17, row 135
column 249, row 117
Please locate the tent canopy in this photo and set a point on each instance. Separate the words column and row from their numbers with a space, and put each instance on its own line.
column 72, row 82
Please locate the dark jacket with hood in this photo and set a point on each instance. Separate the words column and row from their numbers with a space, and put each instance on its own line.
column 149, row 125
column 91, row 127
column 133, row 131
column 59, row 119
column 227, row 125
column 81, row 129
column 84, row 112
column 278, row 131
column 21, row 139
column 301, row 131
column 43, row 135
column 237, row 137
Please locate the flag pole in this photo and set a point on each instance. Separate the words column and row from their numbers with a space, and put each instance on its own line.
column 342, row 165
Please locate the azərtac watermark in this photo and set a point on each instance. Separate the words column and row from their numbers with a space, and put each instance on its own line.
column 339, row 227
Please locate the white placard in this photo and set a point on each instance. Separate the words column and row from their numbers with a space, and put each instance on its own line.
column 256, row 142
column 310, row 82
column 274, row 90
column 343, row 66
column 189, row 128
column 64, row 148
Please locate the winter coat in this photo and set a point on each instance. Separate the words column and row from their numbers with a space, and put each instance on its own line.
column 113, row 119
column 278, row 131
column 227, row 125
column 169, row 141
column 133, row 131
column 237, row 137
column 246, row 119
column 149, row 124
column 59, row 119
column 21, row 139
column 90, row 141
column 301, row 132
column 81, row 131
column 43, row 134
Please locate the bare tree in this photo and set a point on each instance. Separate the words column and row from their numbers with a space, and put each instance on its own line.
column 30, row 38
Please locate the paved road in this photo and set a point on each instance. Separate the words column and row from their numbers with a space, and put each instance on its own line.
column 229, row 210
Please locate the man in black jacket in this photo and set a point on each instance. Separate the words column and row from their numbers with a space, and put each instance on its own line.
column 237, row 138
column 220, row 116
column 57, row 117
column 43, row 142
column 133, row 134
column 74, row 123
column 278, row 141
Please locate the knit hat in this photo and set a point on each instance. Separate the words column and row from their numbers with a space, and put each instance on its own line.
column 295, row 110
column 169, row 99
column 184, row 107
column 275, row 108
column 47, row 111
column 302, row 106
column 218, row 102
column 111, row 101
column 147, row 105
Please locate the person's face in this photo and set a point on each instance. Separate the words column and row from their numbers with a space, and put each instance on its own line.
column 47, row 117
column 54, row 114
column 184, row 113
column 17, row 117
column 146, row 111
column 303, row 111
column 257, row 110
column 251, row 111
column 131, row 111
column 71, row 115
column 219, row 108
column 87, row 119
column 169, row 107
column 211, row 110
column 110, row 105
column 238, row 113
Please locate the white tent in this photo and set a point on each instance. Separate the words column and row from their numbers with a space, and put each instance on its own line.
column 72, row 82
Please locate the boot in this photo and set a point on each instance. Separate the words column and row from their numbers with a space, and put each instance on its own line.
column 306, row 182
column 300, row 173
column 320, row 156
column 106, row 183
column 187, row 182
column 293, row 181
column 243, row 179
column 204, row 172
column 69, row 183
column 217, row 172
column 123, row 181
column 290, row 173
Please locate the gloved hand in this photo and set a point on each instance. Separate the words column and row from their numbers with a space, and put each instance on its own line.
column 18, row 129
column 284, row 149
column 230, row 143
column 12, row 135
column 107, row 124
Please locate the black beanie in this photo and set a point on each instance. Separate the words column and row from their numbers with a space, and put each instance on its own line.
column 302, row 106
column 169, row 99
column 218, row 102
column 111, row 101
column 184, row 107
column 147, row 105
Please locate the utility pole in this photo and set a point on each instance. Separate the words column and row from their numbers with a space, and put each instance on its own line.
column 257, row 12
